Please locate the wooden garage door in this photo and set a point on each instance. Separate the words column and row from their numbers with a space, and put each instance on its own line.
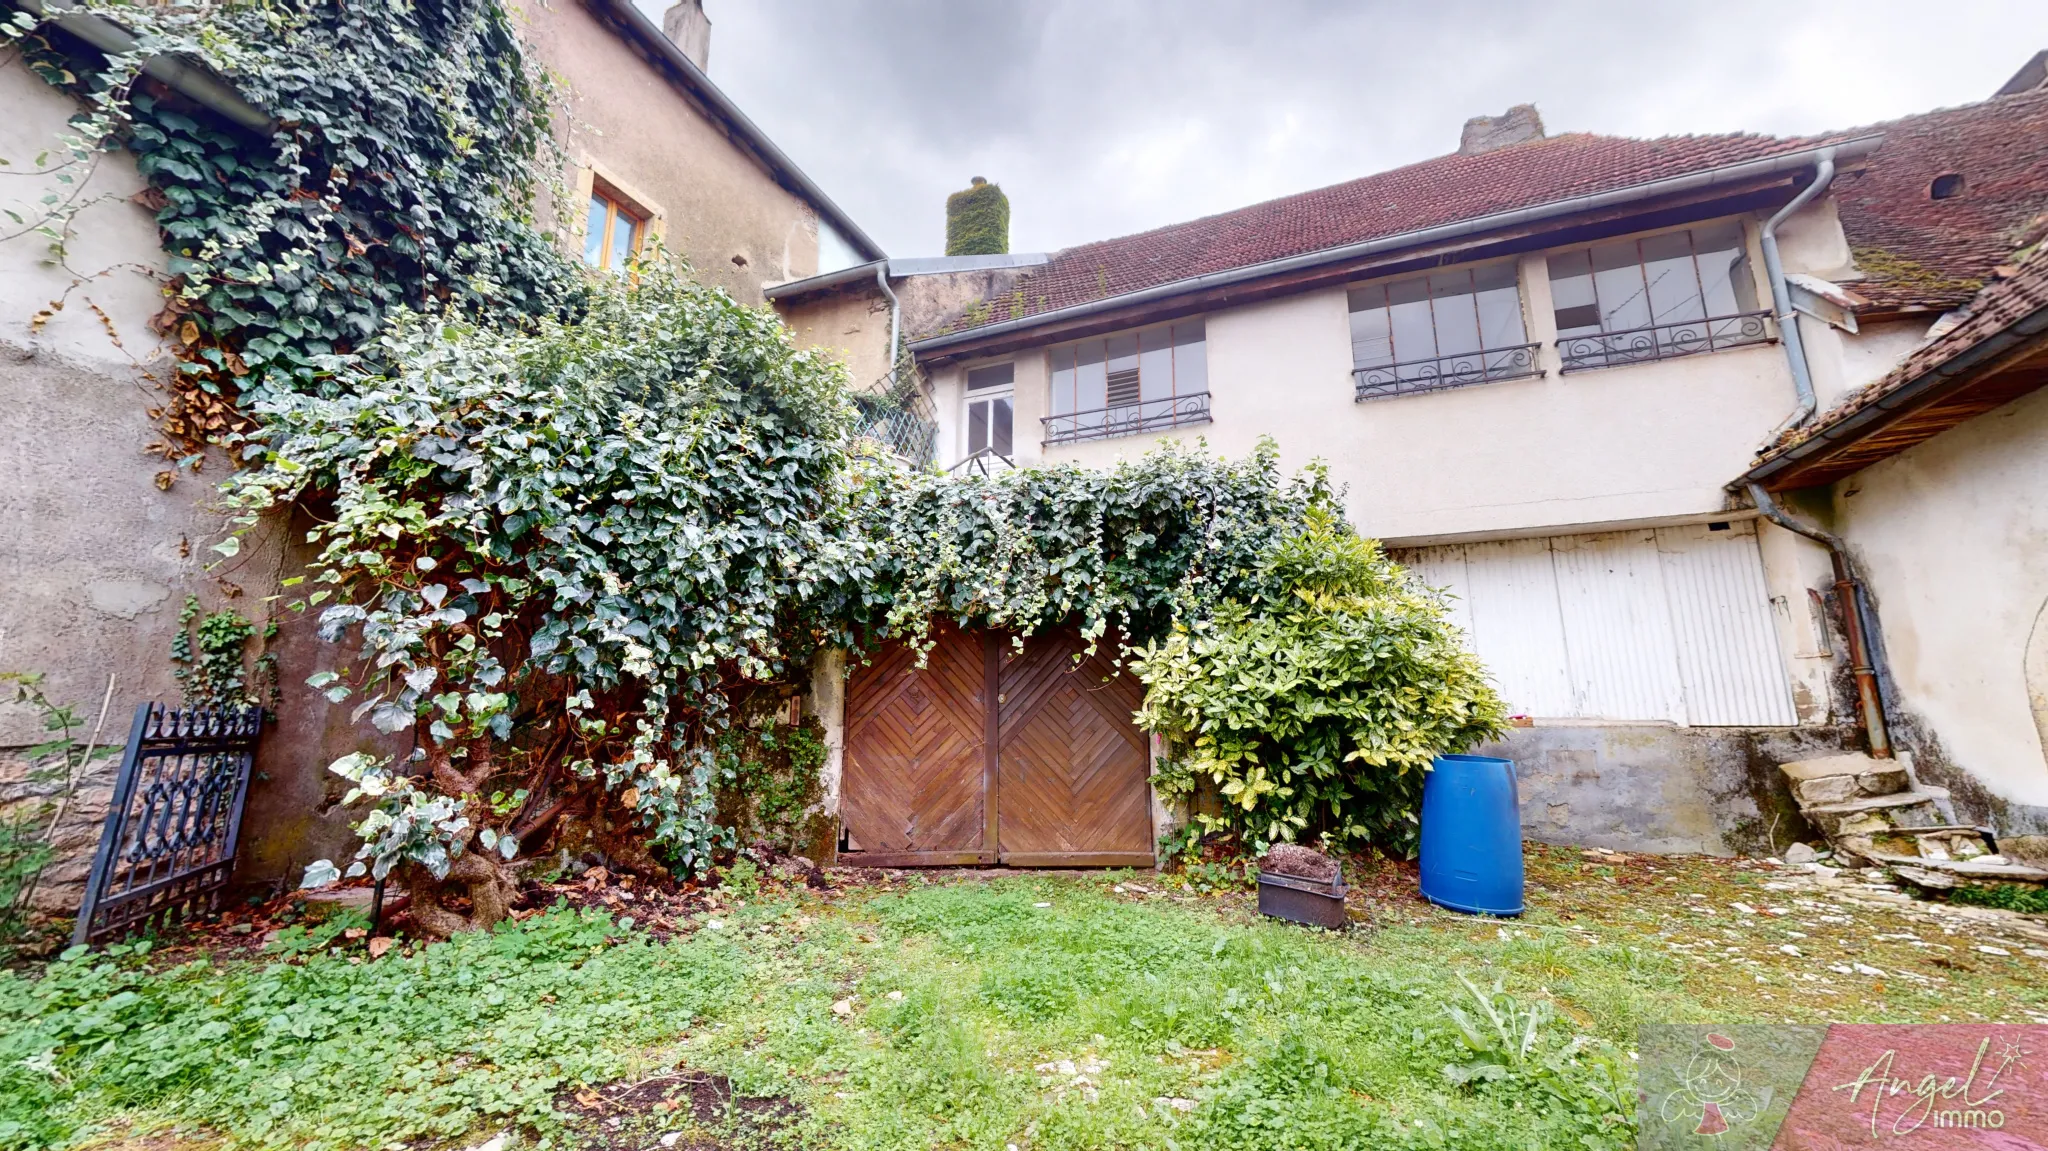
column 1053, row 774
column 1072, row 766
column 918, row 768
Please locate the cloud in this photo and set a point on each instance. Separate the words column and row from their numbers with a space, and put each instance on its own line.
column 1105, row 118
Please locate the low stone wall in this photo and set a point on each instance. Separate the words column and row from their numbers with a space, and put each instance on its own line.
column 1661, row 788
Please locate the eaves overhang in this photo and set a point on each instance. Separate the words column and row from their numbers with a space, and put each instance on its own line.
column 637, row 29
column 1727, row 175
column 1994, row 371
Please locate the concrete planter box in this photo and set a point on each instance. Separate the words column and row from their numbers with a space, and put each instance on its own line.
column 1313, row 903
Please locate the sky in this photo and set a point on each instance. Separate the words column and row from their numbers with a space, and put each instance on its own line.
column 1100, row 118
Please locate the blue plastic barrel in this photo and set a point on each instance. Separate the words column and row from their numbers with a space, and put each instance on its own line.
column 1472, row 836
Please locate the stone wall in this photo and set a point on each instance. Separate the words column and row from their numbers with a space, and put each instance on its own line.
column 1663, row 789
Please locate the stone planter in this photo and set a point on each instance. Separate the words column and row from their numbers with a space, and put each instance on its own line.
column 1311, row 902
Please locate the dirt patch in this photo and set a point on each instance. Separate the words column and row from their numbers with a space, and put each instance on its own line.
column 685, row 1111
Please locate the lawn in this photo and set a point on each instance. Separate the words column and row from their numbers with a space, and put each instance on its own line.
column 1034, row 1011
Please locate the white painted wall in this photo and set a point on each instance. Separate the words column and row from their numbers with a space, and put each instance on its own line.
column 1645, row 442
column 1952, row 539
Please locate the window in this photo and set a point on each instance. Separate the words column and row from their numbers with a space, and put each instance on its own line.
column 1122, row 385
column 1443, row 330
column 1656, row 297
column 991, row 410
column 1946, row 186
column 612, row 233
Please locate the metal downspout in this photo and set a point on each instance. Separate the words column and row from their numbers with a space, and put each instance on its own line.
column 1855, row 625
column 895, row 313
column 1781, row 295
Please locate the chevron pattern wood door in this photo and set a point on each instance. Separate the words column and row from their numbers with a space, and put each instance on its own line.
column 1072, row 767
column 919, row 767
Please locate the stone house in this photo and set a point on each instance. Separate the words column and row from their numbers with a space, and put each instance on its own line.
column 1542, row 365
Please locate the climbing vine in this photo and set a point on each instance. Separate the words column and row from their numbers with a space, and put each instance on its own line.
column 558, row 550
column 398, row 172
column 1131, row 547
column 567, row 527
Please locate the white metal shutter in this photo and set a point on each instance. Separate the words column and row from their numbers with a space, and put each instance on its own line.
column 1672, row 624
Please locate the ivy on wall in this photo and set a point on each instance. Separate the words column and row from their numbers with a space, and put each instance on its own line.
column 978, row 220
column 567, row 525
column 401, row 173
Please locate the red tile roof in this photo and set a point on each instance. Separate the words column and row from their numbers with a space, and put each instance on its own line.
column 2007, row 301
column 1917, row 251
column 1445, row 190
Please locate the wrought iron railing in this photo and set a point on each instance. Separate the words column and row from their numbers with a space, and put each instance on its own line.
column 985, row 462
column 168, row 845
column 1664, row 341
column 1127, row 419
column 1518, row 362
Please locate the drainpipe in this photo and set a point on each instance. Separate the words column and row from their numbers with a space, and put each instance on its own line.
column 1781, row 295
column 1855, row 626
column 895, row 312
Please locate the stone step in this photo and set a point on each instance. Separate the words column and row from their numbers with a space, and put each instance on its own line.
column 1841, row 778
column 1968, row 869
column 1878, row 802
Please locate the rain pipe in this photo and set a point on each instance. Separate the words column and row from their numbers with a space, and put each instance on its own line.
column 1781, row 295
column 895, row 312
column 1855, row 624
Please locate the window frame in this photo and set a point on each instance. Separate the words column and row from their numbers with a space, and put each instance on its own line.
column 618, row 206
column 972, row 396
column 1128, row 361
column 1747, row 325
column 1440, row 370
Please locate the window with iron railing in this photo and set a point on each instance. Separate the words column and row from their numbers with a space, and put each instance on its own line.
column 1128, row 384
column 1442, row 330
column 1656, row 297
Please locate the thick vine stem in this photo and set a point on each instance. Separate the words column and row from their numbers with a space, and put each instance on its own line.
column 486, row 881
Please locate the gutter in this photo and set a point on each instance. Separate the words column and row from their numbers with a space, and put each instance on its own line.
column 643, row 31
column 1853, row 426
column 1781, row 297
column 1855, row 620
column 858, row 273
column 192, row 81
column 1770, row 165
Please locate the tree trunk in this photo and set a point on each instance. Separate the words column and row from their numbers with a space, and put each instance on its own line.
column 482, row 877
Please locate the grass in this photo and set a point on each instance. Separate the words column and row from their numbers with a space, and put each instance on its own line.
column 1045, row 1012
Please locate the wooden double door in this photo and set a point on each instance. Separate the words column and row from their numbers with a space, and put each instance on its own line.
column 989, row 754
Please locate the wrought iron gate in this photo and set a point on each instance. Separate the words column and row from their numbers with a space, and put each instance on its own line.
column 169, row 841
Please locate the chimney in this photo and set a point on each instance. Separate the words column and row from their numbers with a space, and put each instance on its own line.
column 1518, row 125
column 978, row 220
column 690, row 29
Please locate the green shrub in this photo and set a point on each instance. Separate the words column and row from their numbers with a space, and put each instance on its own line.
column 1317, row 706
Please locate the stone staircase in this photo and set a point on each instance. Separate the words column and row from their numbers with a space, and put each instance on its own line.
column 1875, row 813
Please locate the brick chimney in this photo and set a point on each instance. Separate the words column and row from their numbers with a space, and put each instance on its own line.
column 1518, row 125
column 690, row 28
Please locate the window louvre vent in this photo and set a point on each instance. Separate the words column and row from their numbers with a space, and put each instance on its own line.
column 1123, row 388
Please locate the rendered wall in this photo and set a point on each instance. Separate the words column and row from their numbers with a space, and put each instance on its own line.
column 1643, row 442
column 95, row 561
column 717, row 205
column 1952, row 538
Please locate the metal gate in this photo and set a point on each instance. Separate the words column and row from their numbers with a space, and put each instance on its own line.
column 168, row 845
column 1054, row 773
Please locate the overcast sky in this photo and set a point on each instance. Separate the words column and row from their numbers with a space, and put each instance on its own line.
column 1105, row 117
